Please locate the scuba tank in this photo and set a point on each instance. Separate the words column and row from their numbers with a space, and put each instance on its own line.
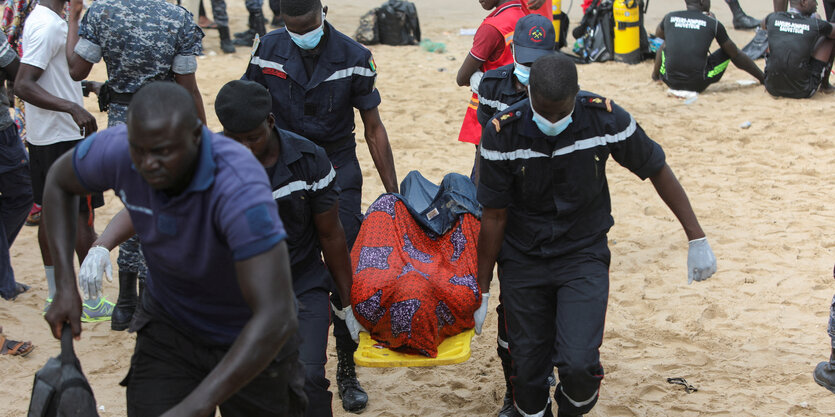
column 556, row 11
column 627, row 16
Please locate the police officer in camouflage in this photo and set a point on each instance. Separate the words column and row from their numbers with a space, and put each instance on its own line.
column 140, row 41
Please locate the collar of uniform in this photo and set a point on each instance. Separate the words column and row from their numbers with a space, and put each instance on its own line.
column 289, row 154
column 204, row 175
column 578, row 121
column 329, row 56
column 503, row 7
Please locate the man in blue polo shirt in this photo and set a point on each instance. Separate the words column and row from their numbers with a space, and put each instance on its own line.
column 304, row 186
column 218, row 311
column 317, row 76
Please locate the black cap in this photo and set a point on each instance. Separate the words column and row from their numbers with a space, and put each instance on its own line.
column 242, row 105
column 534, row 37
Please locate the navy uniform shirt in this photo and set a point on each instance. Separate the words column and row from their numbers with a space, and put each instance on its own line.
column 191, row 241
column 791, row 41
column 497, row 92
column 304, row 185
column 319, row 107
column 555, row 188
column 140, row 41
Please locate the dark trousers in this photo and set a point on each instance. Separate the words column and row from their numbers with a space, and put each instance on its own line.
column 717, row 63
column 555, row 310
column 349, row 178
column 314, row 320
column 15, row 201
column 167, row 365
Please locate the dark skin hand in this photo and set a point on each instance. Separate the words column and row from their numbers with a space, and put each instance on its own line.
column 118, row 231
column 264, row 280
column 28, row 89
column 335, row 251
column 80, row 68
column 380, row 148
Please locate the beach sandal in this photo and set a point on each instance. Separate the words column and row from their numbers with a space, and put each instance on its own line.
column 18, row 289
column 206, row 23
column 15, row 348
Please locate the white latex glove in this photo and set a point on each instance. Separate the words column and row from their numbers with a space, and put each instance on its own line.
column 95, row 263
column 475, row 81
column 354, row 327
column 701, row 263
column 481, row 313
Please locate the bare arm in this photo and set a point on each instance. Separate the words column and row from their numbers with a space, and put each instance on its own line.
column 189, row 82
column 670, row 190
column 60, row 212
column 28, row 89
column 742, row 61
column 780, row 5
column 79, row 67
column 267, row 288
column 380, row 148
column 656, row 69
column 117, row 231
column 335, row 251
column 490, row 237
column 468, row 68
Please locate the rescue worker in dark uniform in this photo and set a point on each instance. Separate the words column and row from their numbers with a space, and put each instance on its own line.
column 800, row 51
column 304, row 186
column 683, row 62
column 546, row 215
column 499, row 89
column 317, row 77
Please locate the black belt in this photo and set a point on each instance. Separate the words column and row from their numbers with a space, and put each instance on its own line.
column 120, row 98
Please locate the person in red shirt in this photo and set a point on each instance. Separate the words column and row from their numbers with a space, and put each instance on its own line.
column 491, row 49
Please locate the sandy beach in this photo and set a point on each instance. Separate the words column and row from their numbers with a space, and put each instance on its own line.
column 748, row 338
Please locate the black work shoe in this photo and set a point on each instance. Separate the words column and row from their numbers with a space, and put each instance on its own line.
column 126, row 303
column 743, row 21
column 245, row 41
column 825, row 375
column 508, row 409
column 354, row 399
column 245, row 34
column 226, row 44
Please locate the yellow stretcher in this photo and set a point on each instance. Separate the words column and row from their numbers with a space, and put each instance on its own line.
column 452, row 350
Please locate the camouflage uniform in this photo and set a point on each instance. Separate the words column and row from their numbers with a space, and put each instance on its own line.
column 141, row 41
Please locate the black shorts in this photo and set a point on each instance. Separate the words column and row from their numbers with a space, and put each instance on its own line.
column 41, row 159
column 816, row 70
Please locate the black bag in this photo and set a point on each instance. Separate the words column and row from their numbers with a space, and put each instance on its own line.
column 595, row 33
column 60, row 388
column 398, row 24
column 368, row 33
column 758, row 46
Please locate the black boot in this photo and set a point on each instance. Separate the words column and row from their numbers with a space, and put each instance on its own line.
column 741, row 20
column 825, row 373
column 354, row 398
column 126, row 303
column 256, row 27
column 226, row 44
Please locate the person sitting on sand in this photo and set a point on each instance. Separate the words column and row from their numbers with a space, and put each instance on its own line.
column 683, row 62
column 800, row 51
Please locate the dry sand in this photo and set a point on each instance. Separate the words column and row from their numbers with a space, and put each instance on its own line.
column 748, row 338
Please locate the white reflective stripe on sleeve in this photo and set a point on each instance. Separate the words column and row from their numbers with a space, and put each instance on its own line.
column 301, row 185
column 496, row 104
column 510, row 156
column 579, row 404
column 345, row 73
column 502, row 344
column 599, row 140
column 539, row 414
column 263, row 63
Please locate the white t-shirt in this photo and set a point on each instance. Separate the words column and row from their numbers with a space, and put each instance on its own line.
column 44, row 46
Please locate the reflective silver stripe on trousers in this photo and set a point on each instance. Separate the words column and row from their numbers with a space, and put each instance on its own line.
column 539, row 414
column 579, row 404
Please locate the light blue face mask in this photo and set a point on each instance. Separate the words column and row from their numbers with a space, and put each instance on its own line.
column 310, row 39
column 547, row 127
column 522, row 72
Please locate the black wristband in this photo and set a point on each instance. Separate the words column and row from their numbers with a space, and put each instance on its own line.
column 85, row 88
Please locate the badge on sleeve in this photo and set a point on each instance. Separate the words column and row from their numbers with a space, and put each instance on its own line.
column 255, row 43
column 372, row 64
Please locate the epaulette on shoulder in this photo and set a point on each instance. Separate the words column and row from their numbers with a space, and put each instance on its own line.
column 597, row 102
column 504, row 118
